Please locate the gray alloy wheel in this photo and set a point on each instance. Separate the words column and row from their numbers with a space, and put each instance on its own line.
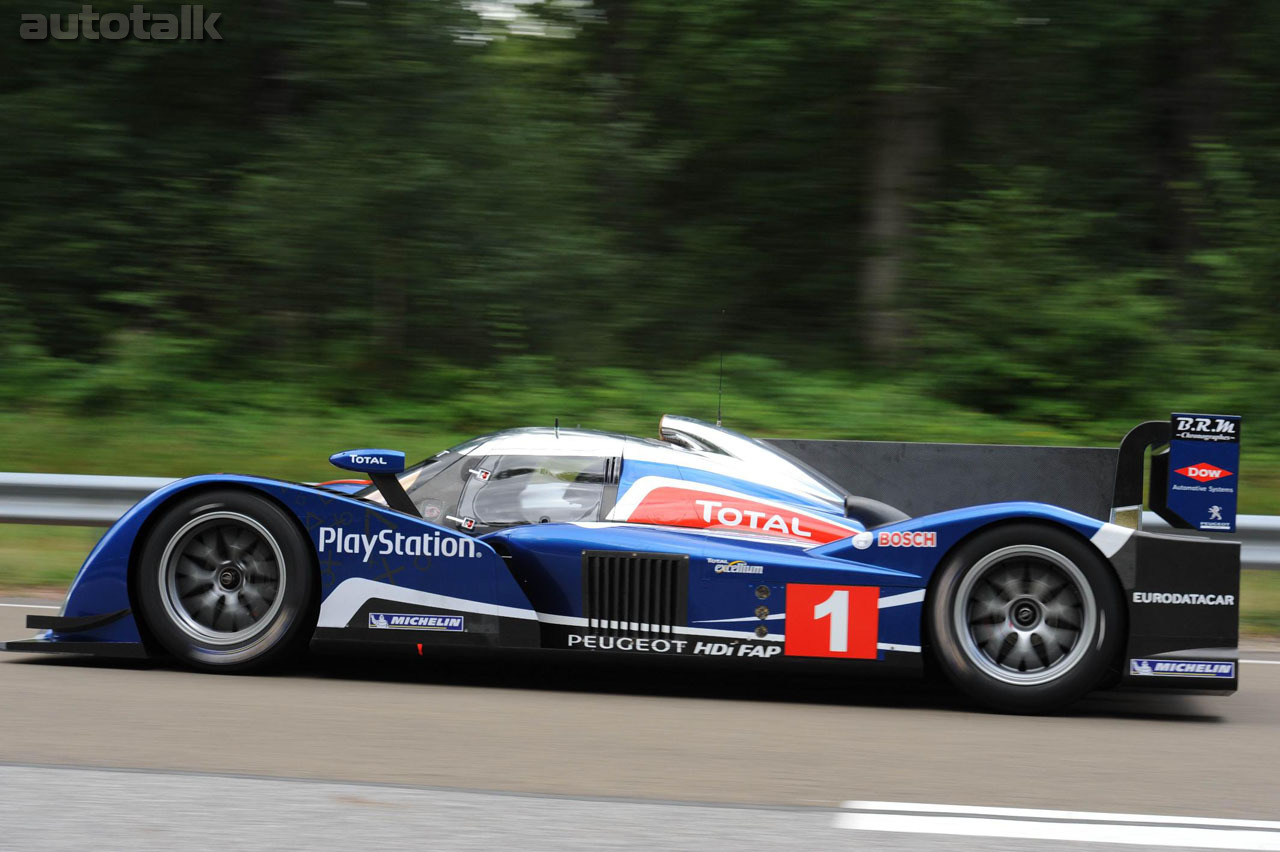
column 1021, row 612
column 222, row 580
column 226, row 581
column 1025, row 617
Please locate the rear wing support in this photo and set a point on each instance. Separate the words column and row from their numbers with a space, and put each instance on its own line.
column 1195, row 466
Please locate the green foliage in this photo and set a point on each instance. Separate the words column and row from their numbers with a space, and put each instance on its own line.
column 1047, row 334
column 473, row 222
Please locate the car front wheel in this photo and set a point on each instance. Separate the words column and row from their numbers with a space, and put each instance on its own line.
column 225, row 582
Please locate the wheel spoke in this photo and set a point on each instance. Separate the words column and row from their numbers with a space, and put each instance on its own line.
column 1022, row 654
column 986, row 610
column 241, row 542
column 201, row 551
column 990, row 637
column 1056, row 639
column 254, row 601
column 189, row 567
column 223, row 578
column 1021, row 613
column 1060, row 615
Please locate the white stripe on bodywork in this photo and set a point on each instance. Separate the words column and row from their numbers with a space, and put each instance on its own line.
column 1110, row 538
column 642, row 487
column 718, row 532
column 885, row 603
column 345, row 601
column 903, row 599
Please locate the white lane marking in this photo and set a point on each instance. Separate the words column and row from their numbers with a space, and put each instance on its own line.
column 1263, row 662
column 1110, row 538
column 1036, row 824
column 31, row 606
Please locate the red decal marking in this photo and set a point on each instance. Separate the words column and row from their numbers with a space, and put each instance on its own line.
column 832, row 621
column 1203, row 472
column 684, row 507
column 908, row 539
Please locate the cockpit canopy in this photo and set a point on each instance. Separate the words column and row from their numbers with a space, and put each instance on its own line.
column 552, row 475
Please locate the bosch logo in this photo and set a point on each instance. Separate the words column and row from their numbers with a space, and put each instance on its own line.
column 1203, row 472
column 908, row 539
column 368, row 460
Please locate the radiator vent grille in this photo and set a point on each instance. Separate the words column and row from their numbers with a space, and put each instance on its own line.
column 634, row 594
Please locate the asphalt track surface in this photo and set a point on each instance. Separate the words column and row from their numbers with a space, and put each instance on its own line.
column 579, row 751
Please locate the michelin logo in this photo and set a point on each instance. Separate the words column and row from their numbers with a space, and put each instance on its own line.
column 390, row 542
column 1181, row 668
column 407, row 621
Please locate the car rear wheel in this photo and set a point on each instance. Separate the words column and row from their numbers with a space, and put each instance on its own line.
column 225, row 582
column 1026, row 618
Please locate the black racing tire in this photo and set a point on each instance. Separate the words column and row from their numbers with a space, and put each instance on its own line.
column 226, row 582
column 1026, row 618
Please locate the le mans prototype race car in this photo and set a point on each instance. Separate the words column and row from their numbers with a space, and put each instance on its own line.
column 705, row 543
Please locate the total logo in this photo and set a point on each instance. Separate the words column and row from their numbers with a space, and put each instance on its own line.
column 368, row 460
column 732, row 516
column 1203, row 472
column 674, row 502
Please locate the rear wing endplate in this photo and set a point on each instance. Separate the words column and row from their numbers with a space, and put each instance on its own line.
column 1195, row 472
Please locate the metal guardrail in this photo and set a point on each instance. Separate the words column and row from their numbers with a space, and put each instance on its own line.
column 58, row 498
column 98, row 501
column 1259, row 537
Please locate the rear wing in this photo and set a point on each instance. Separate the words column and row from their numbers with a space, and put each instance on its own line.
column 1101, row 482
column 1195, row 472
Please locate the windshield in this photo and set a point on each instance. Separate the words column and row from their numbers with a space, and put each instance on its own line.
column 416, row 480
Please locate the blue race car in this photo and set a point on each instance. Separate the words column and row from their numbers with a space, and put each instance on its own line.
column 705, row 543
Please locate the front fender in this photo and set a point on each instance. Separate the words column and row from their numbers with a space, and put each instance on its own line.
column 918, row 544
column 102, row 584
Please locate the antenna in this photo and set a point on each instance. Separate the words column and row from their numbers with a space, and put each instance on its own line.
column 720, row 388
column 720, row 384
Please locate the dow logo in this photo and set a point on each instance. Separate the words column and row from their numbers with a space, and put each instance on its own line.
column 1203, row 472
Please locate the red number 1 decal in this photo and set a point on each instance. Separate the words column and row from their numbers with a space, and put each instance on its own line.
column 832, row 621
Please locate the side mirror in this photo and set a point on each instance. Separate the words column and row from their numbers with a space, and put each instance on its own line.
column 369, row 461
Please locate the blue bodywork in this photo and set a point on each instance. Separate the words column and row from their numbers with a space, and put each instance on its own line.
column 532, row 576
